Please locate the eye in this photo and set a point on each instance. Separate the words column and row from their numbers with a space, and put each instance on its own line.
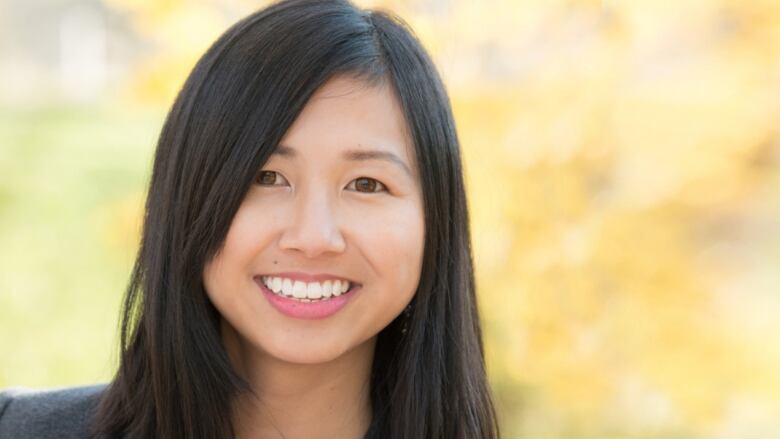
column 368, row 185
column 267, row 178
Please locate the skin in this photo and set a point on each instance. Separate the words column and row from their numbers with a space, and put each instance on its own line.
column 318, row 212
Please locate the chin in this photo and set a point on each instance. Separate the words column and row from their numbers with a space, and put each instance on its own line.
column 317, row 352
column 302, row 353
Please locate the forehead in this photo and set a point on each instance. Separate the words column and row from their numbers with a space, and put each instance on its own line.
column 345, row 115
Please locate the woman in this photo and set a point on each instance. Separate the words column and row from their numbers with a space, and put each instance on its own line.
column 305, row 267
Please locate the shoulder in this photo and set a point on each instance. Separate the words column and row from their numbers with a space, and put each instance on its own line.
column 61, row 413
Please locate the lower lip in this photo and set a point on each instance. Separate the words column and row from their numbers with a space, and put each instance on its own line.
column 306, row 310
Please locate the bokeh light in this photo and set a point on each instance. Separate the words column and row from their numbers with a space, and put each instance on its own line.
column 623, row 171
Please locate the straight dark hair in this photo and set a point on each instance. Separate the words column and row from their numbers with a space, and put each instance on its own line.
column 174, row 378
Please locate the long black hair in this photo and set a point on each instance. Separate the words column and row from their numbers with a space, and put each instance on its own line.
column 174, row 379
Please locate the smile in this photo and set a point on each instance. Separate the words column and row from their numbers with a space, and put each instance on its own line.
column 306, row 291
column 304, row 307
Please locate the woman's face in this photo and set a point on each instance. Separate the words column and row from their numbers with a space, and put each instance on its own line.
column 339, row 199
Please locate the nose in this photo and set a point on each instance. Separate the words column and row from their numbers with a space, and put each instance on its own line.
column 314, row 229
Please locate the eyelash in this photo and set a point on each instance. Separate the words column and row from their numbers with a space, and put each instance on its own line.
column 382, row 185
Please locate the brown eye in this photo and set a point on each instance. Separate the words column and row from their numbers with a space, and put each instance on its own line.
column 267, row 178
column 368, row 185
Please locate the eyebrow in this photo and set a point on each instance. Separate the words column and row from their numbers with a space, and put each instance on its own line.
column 354, row 155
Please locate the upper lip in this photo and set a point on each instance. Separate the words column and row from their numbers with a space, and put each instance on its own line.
column 306, row 277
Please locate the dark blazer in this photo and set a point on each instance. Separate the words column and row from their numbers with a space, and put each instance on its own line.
column 43, row 414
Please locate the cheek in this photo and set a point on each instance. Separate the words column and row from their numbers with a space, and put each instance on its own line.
column 248, row 234
column 393, row 240
column 233, row 264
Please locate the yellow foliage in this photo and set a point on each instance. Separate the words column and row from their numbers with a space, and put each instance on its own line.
column 121, row 223
column 601, row 140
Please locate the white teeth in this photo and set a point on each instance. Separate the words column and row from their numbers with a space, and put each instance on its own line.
column 303, row 291
column 276, row 285
column 287, row 287
column 314, row 290
column 337, row 288
column 327, row 288
column 299, row 290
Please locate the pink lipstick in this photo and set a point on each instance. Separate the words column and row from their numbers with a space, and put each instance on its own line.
column 295, row 308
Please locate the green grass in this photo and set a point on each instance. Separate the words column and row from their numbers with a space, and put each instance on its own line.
column 67, row 175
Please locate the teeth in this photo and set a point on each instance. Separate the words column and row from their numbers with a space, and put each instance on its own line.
column 306, row 292
column 287, row 287
column 314, row 290
column 327, row 288
column 276, row 285
column 299, row 290
column 337, row 288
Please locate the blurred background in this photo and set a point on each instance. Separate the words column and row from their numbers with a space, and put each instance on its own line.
column 623, row 169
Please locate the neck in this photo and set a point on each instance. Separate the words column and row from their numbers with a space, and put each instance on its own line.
column 301, row 400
